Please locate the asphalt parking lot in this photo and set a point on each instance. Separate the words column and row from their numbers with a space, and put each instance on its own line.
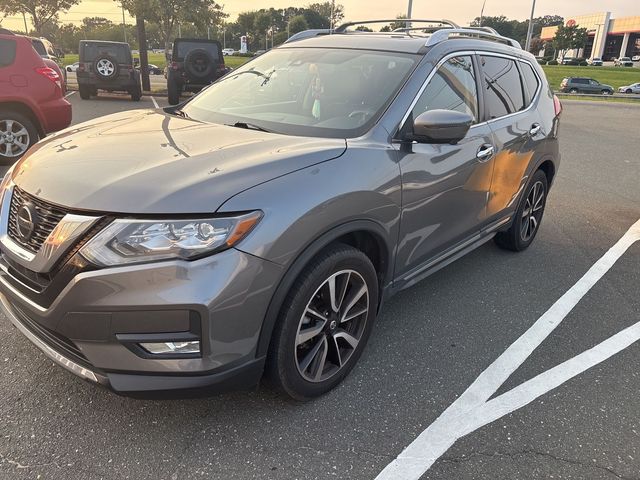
column 430, row 344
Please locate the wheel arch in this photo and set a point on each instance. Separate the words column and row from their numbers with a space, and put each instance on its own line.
column 365, row 235
column 549, row 169
column 27, row 111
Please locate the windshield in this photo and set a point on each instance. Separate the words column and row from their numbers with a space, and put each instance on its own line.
column 306, row 91
column 183, row 47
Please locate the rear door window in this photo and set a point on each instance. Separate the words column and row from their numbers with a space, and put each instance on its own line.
column 185, row 47
column 39, row 47
column 92, row 51
column 530, row 80
column 7, row 52
column 502, row 85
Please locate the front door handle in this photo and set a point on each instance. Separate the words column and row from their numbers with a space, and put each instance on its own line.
column 535, row 129
column 485, row 152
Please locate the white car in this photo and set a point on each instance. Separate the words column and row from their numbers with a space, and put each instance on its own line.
column 228, row 51
column 636, row 58
column 73, row 67
column 633, row 88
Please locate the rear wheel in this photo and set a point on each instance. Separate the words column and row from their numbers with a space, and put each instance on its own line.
column 324, row 323
column 527, row 219
column 136, row 93
column 606, row 92
column 573, row 90
column 628, row 91
column 17, row 134
column 85, row 92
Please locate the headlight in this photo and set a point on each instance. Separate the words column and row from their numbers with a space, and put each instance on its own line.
column 132, row 241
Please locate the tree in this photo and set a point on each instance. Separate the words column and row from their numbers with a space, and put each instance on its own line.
column 537, row 44
column 568, row 38
column 333, row 13
column 297, row 24
column 42, row 12
column 363, row 28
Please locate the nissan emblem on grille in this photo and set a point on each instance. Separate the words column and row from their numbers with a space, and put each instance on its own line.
column 26, row 221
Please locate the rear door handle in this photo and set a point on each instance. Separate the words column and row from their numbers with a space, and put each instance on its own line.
column 535, row 129
column 485, row 152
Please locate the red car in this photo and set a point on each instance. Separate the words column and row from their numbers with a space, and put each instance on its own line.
column 32, row 101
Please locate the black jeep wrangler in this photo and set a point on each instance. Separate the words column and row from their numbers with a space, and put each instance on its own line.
column 107, row 66
column 195, row 63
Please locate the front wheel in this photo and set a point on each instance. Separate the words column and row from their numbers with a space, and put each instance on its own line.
column 324, row 323
column 573, row 90
column 527, row 219
column 85, row 92
column 606, row 92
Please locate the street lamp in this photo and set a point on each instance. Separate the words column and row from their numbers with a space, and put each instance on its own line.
column 530, row 29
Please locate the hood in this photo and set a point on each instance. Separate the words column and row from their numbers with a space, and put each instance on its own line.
column 150, row 162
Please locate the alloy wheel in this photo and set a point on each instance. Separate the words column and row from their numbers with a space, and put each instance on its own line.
column 331, row 326
column 105, row 67
column 14, row 138
column 532, row 213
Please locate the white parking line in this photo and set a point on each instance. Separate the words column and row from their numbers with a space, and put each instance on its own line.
column 155, row 103
column 472, row 410
column 69, row 94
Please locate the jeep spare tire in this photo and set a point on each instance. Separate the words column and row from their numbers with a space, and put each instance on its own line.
column 106, row 67
column 198, row 63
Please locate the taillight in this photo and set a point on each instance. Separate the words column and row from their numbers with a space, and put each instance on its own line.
column 174, row 65
column 220, row 67
column 81, row 67
column 51, row 74
column 557, row 106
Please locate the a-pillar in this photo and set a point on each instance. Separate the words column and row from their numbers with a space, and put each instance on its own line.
column 625, row 43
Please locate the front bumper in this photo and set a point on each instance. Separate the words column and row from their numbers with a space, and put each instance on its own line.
column 88, row 327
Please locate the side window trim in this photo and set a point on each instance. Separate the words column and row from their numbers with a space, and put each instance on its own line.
column 532, row 96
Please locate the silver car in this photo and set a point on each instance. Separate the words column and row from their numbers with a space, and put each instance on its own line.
column 633, row 88
column 259, row 227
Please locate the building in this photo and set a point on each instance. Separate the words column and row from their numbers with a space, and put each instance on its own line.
column 608, row 37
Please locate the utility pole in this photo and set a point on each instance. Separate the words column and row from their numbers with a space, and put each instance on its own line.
column 482, row 12
column 124, row 25
column 26, row 29
column 530, row 29
column 144, row 59
column 209, row 33
column 409, row 8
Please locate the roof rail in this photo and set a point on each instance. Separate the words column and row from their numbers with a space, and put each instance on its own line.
column 342, row 28
column 308, row 34
column 445, row 33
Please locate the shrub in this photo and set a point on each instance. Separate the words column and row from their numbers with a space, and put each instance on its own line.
column 583, row 63
column 542, row 61
column 552, row 62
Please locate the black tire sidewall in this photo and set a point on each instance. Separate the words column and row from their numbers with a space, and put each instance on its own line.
column 189, row 68
column 173, row 90
column 282, row 366
column 34, row 136
column 538, row 176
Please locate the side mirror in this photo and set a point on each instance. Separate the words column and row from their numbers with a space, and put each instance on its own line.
column 441, row 126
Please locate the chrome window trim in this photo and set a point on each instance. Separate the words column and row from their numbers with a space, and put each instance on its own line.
column 473, row 52
column 71, row 228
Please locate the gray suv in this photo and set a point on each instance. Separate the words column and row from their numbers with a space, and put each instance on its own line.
column 259, row 227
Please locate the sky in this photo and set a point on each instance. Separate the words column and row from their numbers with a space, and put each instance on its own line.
column 460, row 11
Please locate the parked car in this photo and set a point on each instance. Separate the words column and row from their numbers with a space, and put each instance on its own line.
column 195, row 63
column 228, row 51
column 73, row 67
column 633, row 88
column 32, row 103
column 107, row 66
column 636, row 58
column 584, row 85
column 153, row 69
column 259, row 226
column 259, row 52
column 52, row 57
column 623, row 62
column 595, row 62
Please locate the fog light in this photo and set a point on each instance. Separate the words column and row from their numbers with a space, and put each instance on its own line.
column 179, row 348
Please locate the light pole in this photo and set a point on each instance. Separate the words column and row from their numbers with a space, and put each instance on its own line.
column 26, row 29
column 530, row 29
column 409, row 8
column 124, row 26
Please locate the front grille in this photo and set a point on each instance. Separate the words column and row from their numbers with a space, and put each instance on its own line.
column 48, row 216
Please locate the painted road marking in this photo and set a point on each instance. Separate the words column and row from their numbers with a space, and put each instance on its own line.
column 155, row 104
column 472, row 410
column 69, row 94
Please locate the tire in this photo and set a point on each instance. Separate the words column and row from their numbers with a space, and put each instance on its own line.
column 85, row 92
column 520, row 236
column 199, row 64
column 23, row 135
column 292, row 366
column 106, row 67
column 573, row 90
column 628, row 91
column 606, row 92
column 173, row 91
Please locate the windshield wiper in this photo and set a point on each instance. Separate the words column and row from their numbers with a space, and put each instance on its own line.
column 248, row 126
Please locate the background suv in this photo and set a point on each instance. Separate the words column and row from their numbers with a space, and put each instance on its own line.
column 32, row 103
column 107, row 66
column 584, row 85
column 259, row 226
column 195, row 63
column 623, row 62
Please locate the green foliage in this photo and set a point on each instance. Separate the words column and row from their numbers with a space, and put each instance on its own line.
column 297, row 24
column 363, row 28
column 552, row 62
column 42, row 12
column 568, row 38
